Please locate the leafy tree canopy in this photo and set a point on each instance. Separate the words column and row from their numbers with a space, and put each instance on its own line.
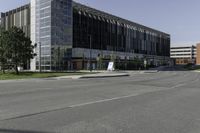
column 17, row 47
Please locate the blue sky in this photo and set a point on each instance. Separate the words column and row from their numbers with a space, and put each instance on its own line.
column 180, row 18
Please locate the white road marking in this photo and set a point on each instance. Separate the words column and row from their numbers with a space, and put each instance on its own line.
column 104, row 100
column 196, row 80
column 117, row 98
column 178, row 85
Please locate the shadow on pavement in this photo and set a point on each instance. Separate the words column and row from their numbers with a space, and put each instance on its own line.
column 20, row 131
column 167, row 68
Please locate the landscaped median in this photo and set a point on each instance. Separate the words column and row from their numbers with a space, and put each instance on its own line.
column 197, row 70
column 28, row 75
column 192, row 67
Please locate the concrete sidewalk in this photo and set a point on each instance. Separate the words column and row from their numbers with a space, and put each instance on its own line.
column 97, row 75
column 107, row 74
column 130, row 72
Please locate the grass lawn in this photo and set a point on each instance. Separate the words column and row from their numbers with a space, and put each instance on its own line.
column 25, row 75
column 190, row 67
column 197, row 68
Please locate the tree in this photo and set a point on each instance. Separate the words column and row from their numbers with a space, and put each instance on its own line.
column 4, row 38
column 20, row 48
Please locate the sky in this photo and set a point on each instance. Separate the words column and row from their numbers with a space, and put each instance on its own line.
column 179, row 18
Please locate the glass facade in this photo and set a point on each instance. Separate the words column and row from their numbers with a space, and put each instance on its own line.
column 53, row 33
column 115, row 34
column 43, row 33
column 61, row 37
column 63, row 31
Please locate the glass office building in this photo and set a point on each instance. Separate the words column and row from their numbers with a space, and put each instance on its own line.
column 52, row 31
column 70, row 35
column 112, row 35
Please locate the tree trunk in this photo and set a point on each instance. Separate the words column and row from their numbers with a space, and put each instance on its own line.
column 2, row 68
column 16, row 70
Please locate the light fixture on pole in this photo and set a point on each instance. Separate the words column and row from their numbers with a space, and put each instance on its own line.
column 40, row 70
column 90, row 38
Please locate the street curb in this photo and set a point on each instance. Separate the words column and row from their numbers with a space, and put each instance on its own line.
column 104, row 76
column 69, row 77
column 151, row 71
column 196, row 71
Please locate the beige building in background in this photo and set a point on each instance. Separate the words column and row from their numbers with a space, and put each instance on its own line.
column 198, row 54
column 183, row 55
column 19, row 17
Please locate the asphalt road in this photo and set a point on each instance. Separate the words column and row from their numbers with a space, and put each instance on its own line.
column 163, row 102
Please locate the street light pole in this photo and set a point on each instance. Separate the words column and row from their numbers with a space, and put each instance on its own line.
column 90, row 38
column 40, row 70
